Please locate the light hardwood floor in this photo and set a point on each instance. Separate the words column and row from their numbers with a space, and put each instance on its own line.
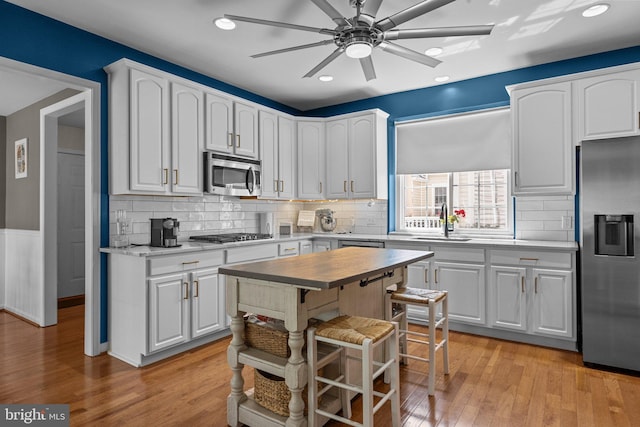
column 492, row 383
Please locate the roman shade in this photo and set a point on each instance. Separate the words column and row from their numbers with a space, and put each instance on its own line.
column 462, row 142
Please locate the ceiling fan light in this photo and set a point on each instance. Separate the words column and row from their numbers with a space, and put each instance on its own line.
column 595, row 10
column 433, row 51
column 224, row 23
column 358, row 50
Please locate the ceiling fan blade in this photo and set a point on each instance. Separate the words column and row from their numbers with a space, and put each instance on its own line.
column 289, row 49
column 472, row 30
column 280, row 24
column 408, row 54
column 331, row 12
column 324, row 63
column 367, row 67
column 410, row 13
column 371, row 8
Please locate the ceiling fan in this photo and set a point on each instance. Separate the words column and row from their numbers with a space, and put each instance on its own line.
column 358, row 36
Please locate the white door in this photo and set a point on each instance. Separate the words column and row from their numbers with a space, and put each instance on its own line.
column 205, row 310
column 465, row 284
column 337, row 159
column 219, row 123
column 362, row 157
column 286, row 158
column 311, row 156
column 70, row 224
column 168, row 311
column 187, row 139
column 509, row 297
column 552, row 302
column 246, row 126
column 269, row 153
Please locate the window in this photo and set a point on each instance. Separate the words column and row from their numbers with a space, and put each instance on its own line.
column 483, row 196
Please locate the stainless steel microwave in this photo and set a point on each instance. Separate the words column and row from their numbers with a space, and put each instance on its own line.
column 232, row 176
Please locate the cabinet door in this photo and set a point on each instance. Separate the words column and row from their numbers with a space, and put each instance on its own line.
column 553, row 302
column 321, row 246
column 508, row 295
column 608, row 106
column 269, row 153
column 168, row 311
column 187, row 135
column 246, row 130
column 306, row 247
column 542, row 144
column 362, row 161
column 465, row 284
column 418, row 277
column 311, row 158
column 149, row 147
column 219, row 123
column 337, row 145
column 286, row 158
column 206, row 316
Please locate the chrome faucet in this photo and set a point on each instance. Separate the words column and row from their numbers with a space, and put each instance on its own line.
column 444, row 212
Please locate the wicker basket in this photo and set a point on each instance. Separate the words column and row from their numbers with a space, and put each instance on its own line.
column 271, row 392
column 267, row 339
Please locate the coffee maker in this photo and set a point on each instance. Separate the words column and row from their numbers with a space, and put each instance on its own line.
column 164, row 232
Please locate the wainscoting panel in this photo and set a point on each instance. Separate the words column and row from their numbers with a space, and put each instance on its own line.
column 23, row 269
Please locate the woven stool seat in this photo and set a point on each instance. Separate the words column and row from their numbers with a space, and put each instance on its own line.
column 417, row 295
column 354, row 329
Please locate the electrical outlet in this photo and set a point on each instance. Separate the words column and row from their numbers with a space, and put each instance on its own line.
column 567, row 222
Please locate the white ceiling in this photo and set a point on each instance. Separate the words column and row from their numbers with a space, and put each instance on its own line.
column 527, row 32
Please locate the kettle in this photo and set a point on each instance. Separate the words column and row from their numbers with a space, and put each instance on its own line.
column 327, row 221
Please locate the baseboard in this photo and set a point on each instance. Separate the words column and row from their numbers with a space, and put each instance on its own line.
column 70, row 301
column 24, row 319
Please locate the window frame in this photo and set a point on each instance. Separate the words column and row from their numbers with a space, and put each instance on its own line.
column 508, row 232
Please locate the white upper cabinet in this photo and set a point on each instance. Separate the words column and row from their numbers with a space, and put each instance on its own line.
column 277, row 153
column 607, row 106
column 156, row 132
column 149, row 145
column 187, row 136
column 357, row 157
column 232, row 126
column 542, row 146
column 311, row 159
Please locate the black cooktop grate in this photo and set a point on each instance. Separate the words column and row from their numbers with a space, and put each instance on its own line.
column 230, row 237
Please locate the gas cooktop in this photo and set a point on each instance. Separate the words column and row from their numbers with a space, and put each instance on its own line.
column 230, row 237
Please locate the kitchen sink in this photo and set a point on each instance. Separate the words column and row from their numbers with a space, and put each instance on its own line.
column 445, row 239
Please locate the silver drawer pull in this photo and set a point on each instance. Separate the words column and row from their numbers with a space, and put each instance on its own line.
column 190, row 262
column 529, row 259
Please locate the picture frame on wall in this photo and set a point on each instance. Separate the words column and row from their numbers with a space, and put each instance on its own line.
column 21, row 158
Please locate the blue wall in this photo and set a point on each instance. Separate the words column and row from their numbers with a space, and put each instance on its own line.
column 34, row 39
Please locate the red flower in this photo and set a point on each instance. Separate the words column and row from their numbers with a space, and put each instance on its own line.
column 460, row 212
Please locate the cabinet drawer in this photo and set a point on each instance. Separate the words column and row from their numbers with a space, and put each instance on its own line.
column 252, row 253
column 459, row 253
column 287, row 249
column 184, row 262
column 532, row 258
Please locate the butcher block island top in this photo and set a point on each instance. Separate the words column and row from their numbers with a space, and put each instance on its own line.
column 326, row 270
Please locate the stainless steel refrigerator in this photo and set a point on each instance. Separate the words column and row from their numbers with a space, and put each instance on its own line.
column 610, row 252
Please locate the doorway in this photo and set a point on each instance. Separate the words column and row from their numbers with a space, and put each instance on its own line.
column 45, row 262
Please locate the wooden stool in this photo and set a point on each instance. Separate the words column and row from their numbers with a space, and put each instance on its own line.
column 429, row 299
column 365, row 335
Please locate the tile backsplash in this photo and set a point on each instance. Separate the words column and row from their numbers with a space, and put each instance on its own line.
column 220, row 214
column 537, row 218
column 545, row 218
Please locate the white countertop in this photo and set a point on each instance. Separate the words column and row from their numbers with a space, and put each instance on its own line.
column 419, row 241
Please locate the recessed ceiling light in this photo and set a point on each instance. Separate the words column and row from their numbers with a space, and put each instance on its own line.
column 224, row 23
column 434, row 51
column 441, row 79
column 595, row 10
column 325, row 78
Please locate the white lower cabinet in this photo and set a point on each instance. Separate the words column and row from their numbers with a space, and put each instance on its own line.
column 465, row 286
column 527, row 297
column 163, row 305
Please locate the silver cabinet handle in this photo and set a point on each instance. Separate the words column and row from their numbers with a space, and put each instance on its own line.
column 281, row 186
column 275, row 185
column 186, row 290
column 522, row 280
column 436, row 275
column 344, row 186
column 197, row 288
column 238, row 141
column 426, row 276
column 352, row 190
column 535, row 285
column 230, row 140
column 176, row 172
column 321, row 186
column 166, row 176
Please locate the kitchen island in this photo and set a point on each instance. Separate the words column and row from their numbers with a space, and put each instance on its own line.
column 348, row 280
